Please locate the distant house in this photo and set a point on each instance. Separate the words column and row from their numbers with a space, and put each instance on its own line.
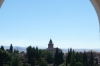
column 51, row 48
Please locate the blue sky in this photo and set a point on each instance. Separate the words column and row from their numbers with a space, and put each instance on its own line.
column 33, row 22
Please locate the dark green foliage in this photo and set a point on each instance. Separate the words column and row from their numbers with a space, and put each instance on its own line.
column 26, row 64
column 34, row 55
column 49, row 57
column 30, row 54
column 37, row 54
column 78, row 64
column 77, row 57
column 73, row 61
column 11, row 48
column 80, row 57
column 32, row 62
column 16, row 51
column 63, row 64
column 56, row 57
column 68, row 58
column 85, row 59
column 69, row 55
column 43, row 63
column 61, row 59
column 67, row 61
column 40, row 54
column 91, row 62
column 96, row 62
column 2, row 48
column 15, row 60
column 3, row 56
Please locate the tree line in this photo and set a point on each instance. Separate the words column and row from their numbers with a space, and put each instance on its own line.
column 80, row 59
column 35, row 56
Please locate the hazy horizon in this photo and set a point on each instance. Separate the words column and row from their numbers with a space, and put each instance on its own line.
column 43, row 47
column 63, row 49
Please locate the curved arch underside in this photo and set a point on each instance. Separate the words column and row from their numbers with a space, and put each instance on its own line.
column 1, row 2
column 96, row 5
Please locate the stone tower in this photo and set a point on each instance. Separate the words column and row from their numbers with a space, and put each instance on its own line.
column 50, row 45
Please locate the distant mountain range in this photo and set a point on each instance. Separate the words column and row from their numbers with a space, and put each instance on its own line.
column 16, row 47
column 64, row 50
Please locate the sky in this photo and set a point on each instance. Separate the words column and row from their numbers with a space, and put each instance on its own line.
column 69, row 23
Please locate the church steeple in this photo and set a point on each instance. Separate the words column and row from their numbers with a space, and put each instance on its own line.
column 50, row 45
column 50, row 42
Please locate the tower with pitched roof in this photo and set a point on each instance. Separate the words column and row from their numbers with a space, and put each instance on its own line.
column 50, row 45
column 51, row 48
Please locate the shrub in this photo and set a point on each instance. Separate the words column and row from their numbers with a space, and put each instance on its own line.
column 78, row 64
column 43, row 63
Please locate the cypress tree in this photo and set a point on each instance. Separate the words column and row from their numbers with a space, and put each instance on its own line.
column 56, row 57
column 85, row 59
column 61, row 60
column 72, row 63
column 11, row 48
column 33, row 62
column 29, row 54
column 96, row 62
column 69, row 55
column 2, row 48
column 77, row 58
column 80, row 57
column 91, row 59
column 66, row 60
column 37, row 54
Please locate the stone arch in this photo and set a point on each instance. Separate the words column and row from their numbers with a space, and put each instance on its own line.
column 96, row 5
column 1, row 2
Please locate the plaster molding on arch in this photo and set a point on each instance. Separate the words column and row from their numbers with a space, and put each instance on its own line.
column 96, row 5
column 1, row 2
